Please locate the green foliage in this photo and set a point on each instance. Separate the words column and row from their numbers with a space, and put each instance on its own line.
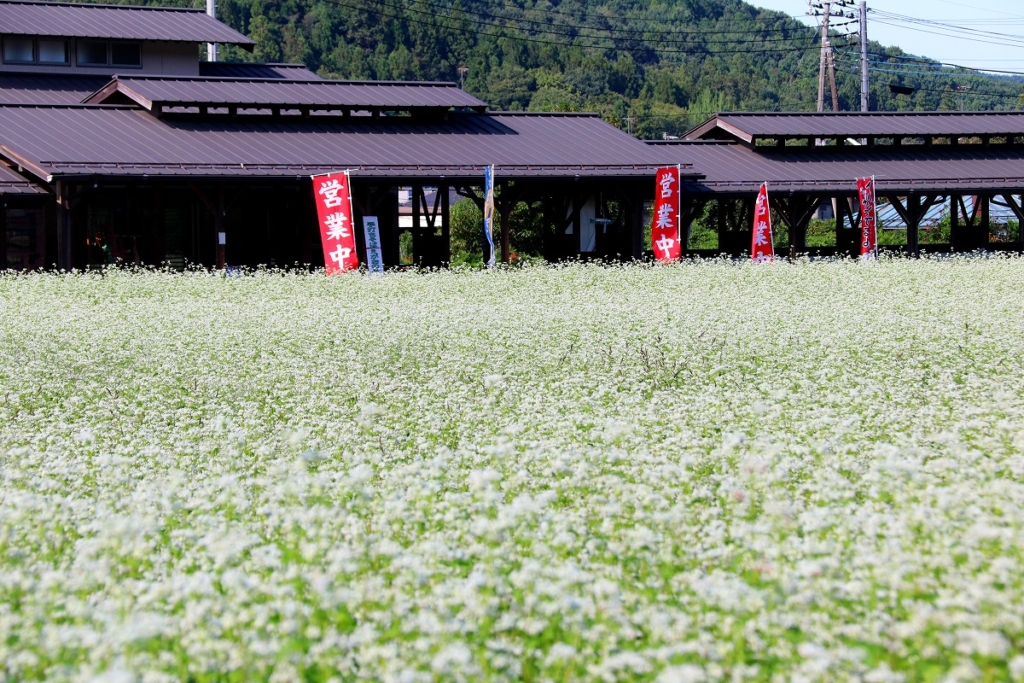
column 821, row 233
column 467, row 222
column 526, row 232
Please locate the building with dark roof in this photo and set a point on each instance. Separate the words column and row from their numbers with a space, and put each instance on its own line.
column 971, row 163
column 118, row 143
column 147, row 154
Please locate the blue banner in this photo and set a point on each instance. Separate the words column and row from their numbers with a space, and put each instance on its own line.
column 489, row 213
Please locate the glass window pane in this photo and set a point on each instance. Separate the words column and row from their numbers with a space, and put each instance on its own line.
column 126, row 54
column 53, row 52
column 92, row 54
column 18, row 50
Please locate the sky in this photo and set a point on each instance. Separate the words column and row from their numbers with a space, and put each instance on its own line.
column 985, row 51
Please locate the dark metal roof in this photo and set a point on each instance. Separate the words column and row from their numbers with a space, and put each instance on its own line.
column 163, row 92
column 12, row 183
column 27, row 88
column 730, row 167
column 79, row 20
column 751, row 126
column 256, row 70
column 121, row 141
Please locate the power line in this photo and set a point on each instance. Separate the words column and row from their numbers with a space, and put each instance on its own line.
column 556, row 30
column 948, row 65
column 948, row 30
column 696, row 48
column 614, row 18
column 606, row 29
column 983, row 9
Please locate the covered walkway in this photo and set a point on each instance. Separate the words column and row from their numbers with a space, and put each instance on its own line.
column 970, row 163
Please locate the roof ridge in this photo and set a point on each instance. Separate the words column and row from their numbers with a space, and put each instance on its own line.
column 64, row 105
column 865, row 113
column 91, row 5
column 552, row 114
column 257, row 79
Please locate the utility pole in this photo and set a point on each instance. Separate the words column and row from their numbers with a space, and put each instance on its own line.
column 211, row 48
column 827, row 65
column 824, row 55
column 832, row 75
column 865, row 93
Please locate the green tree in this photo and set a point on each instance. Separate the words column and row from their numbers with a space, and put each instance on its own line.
column 267, row 38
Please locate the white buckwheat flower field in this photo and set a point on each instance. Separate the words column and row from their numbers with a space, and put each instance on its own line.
column 704, row 472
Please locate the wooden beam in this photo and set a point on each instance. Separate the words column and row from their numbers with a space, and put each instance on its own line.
column 470, row 194
column 1018, row 211
column 210, row 206
column 796, row 212
column 912, row 213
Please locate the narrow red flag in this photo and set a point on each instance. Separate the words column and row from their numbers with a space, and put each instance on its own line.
column 665, row 225
column 762, row 250
column 868, row 218
column 334, row 209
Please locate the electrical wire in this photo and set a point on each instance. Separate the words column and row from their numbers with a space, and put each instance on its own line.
column 942, row 24
column 572, row 32
column 949, row 30
column 502, row 35
column 604, row 29
column 610, row 18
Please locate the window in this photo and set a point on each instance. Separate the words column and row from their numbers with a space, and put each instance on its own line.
column 92, row 53
column 53, row 51
column 126, row 54
column 18, row 51
column 95, row 53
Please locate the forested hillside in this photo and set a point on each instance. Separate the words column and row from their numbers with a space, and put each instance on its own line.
column 650, row 66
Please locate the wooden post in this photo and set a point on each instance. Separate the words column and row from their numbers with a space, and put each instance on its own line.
column 839, row 210
column 577, row 227
column 724, row 244
column 3, row 236
column 221, row 233
column 160, row 222
column 416, row 193
column 955, row 238
column 913, row 230
column 507, row 207
column 446, row 224
column 63, row 227
column 637, row 228
column 984, row 231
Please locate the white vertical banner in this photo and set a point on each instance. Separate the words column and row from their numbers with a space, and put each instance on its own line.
column 489, row 213
column 371, row 236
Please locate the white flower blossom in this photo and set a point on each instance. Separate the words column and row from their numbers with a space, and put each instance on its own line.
column 812, row 471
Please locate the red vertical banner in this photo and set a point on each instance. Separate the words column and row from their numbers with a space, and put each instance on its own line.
column 762, row 249
column 334, row 210
column 868, row 218
column 665, row 225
